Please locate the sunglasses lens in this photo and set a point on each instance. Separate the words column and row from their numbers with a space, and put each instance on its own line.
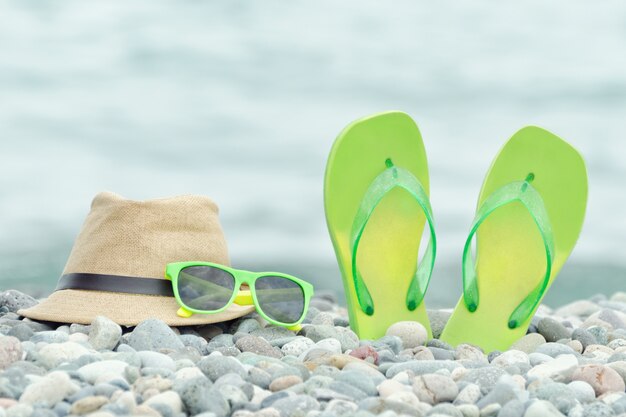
column 280, row 298
column 205, row 288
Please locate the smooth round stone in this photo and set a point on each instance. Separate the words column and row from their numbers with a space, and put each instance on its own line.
column 50, row 336
column 247, row 326
column 421, row 367
column 88, row 404
column 468, row 410
column 359, row 380
column 438, row 344
column 541, row 408
column 49, row 390
column 389, row 386
column 259, row 346
column 491, row 410
column 422, row 353
column 97, row 370
column 216, row 366
column 434, row 388
column 298, row 346
column 54, row 354
column 169, row 398
column 366, row 353
column 191, row 340
column 153, row 334
column 559, row 369
column 584, row 336
column 445, row 409
column 580, row 308
column 511, row 357
column 539, row 358
column 441, row 354
column 411, row 333
column 583, row 392
column 14, row 300
column 21, row 331
column 295, row 406
column 104, row 333
column 470, row 394
column 20, row 410
column 151, row 359
column 394, row 343
column 552, row 330
column 346, row 337
column 529, row 343
column 284, row 382
column 465, row 352
column 500, row 394
column 597, row 409
column 554, row 349
column 603, row 379
column 341, row 407
column 576, row 345
column 10, row 351
column 600, row 334
column 485, row 378
column 277, row 336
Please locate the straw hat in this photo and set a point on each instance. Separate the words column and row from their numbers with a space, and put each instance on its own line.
column 116, row 267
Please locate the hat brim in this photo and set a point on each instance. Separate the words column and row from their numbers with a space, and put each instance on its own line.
column 81, row 306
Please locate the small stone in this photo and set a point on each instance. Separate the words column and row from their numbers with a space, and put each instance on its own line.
column 284, row 382
column 216, row 366
column 104, row 333
column 511, row 357
column 346, row 337
column 359, row 380
column 20, row 410
column 296, row 406
column 486, row 378
column 554, row 349
column 298, row 346
column 49, row 390
column 552, row 330
column 389, row 386
column 54, row 354
column 421, row 367
column 153, row 334
column 50, row 336
column 169, row 398
column 559, row 369
column 582, row 391
column 88, row 404
column 434, row 388
column 470, row 394
column 96, row 370
column 500, row 394
column 468, row 410
column 14, row 300
column 198, row 396
column 411, row 333
column 366, row 353
column 602, row 378
column 21, row 331
column 600, row 334
column 541, row 408
column 465, row 352
column 158, row 360
column 10, row 351
column 513, row 408
column 257, row 345
column 529, row 343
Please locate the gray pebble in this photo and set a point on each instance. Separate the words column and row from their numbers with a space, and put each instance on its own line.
column 51, row 336
column 584, row 337
column 153, row 334
column 198, row 396
column 296, row 406
column 442, row 354
column 21, row 331
column 486, row 378
column 514, row 408
column 552, row 330
column 346, row 337
column 14, row 300
column 600, row 334
column 216, row 366
column 104, row 333
column 259, row 346
column 555, row 349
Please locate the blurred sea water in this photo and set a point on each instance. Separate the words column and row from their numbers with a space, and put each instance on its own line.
column 241, row 101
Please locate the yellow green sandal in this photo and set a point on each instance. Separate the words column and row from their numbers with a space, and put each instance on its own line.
column 530, row 212
column 376, row 202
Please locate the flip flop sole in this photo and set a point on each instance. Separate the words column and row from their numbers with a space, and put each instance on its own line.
column 388, row 251
column 511, row 258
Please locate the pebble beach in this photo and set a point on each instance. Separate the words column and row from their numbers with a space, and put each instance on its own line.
column 571, row 363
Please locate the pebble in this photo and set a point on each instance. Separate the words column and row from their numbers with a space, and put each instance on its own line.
column 411, row 333
column 101, row 370
column 10, row 351
column 511, row 357
column 54, row 354
column 529, row 343
column 435, row 388
column 14, row 300
column 602, row 379
column 541, row 408
column 554, row 349
column 50, row 336
column 366, row 353
column 560, row 368
column 169, row 398
column 88, row 404
column 49, row 390
column 153, row 334
column 284, row 382
column 583, row 392
column 346, row 337
column 259, row 346
column 216, row 366
column 104, row 334
column 298, row 346
column 552, row 330
column 485, row 377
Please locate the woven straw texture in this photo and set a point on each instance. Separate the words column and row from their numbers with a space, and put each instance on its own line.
column 137, row 239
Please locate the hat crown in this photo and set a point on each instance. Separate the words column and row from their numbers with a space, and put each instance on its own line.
column 138, row 238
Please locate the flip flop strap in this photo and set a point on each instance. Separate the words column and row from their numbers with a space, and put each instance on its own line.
column 525, row 193
column 386, row 181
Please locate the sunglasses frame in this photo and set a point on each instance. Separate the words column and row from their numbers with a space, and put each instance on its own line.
column 172, row 271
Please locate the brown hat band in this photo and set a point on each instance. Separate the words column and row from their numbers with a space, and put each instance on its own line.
column 115, row 283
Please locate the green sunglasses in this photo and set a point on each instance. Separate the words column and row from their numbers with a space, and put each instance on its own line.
column 208, row 288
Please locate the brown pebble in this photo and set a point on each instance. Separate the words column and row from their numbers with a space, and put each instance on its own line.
column 284, row 382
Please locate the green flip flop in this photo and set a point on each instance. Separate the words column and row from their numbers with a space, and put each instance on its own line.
column 530, row 212
column 376, row 202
